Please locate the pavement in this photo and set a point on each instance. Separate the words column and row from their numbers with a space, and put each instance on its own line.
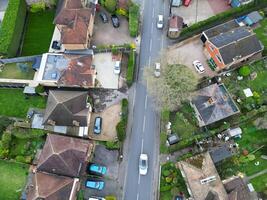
column 143, row 134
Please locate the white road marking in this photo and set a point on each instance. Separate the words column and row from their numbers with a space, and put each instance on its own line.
column 146, row 102
column 137, row 196
column 163, row 9
column 139, row 179
column 153, row 13
column 149, row 61
column 144, row 124
column 150, row 44
column 142, row 145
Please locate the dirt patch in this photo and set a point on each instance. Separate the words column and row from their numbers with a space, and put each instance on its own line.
column 110, row 118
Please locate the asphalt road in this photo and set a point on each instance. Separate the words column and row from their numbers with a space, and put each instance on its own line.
column 144, row 137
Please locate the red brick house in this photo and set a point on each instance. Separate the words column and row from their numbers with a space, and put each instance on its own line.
column 229, row 44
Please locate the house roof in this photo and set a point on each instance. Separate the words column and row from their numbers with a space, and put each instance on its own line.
column 63, row 155
column 49, row 186
column 220, row 153
column 214, row 103
column 75, row 20
column 194, row 174
column 176, row 22
column 65, row 107
column 237, row 189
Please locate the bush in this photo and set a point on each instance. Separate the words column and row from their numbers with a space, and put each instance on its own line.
column 166, row 173
column 37, row 7
column 39, row 89
column 244, row 71
column 133, row 20
column 4, row 123
column 110, row 197
column 122, row 12
column 110, row 5
column 130, row 69
column 112, row 145
column 122, row 125
column 6, row 140
column 12, row 27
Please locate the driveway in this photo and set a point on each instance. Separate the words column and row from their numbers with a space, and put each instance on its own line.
column 104, row 65
column 199, row 10
column 189, row 51
column 110, row 118
column 105, row 34
column 109, row 159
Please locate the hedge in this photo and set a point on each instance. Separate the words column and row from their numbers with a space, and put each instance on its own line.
column 233, row 13
column 12, row 27
column 130, row 69
column 133, row 20
column 122, row 125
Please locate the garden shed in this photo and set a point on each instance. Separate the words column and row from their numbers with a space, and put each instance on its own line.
column 236, row 132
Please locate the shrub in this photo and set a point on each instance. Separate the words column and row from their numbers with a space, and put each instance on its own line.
column 133, row 20
column 4, row 123
column 12, row 27
column 130, row 69
column 39, row 89
column 168, row 179
column 122, row 12
column 244, row 71
column 110, row 5
column 165, row 188
column 37, row 7
column 112, row 145
column 121, row 131
column 6, row 140
column 166, row 173
column 110, row 197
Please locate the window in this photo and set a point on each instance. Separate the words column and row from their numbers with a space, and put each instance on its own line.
column 211, row 48
column 219, row 58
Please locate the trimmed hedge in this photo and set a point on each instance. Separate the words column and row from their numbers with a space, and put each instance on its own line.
column 197, row 28
column 133, row 20
column 122, row 125
column 130, row 69
column 12, row 27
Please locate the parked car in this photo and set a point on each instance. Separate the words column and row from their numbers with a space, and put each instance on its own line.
column 157, row 70
column 198, row 66
column 104, row 17
column 115, row 21
column 95, row 184
column 143, row 164
column 96, row 198
column 160, row 22
column 98, row 125
column 117, row 67
column 176, row 3
column 187, row 2
column 96, row 169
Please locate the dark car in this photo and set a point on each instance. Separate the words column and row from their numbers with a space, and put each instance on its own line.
column 98, row 125
column 96, row 169
column 104, row 17
column 115, row 21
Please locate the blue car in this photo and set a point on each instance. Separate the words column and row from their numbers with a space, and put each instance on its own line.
column 98, row 125
column 98, row 185
column 97, row 169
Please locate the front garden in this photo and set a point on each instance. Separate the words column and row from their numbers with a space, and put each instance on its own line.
column 13, row 179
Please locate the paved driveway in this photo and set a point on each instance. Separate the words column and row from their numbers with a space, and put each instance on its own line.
column 109, row 159
column 105, row 34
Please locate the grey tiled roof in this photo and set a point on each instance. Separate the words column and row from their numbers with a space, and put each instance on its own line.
column 220, row 153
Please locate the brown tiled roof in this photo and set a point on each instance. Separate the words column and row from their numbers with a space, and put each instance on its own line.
column 79, row 73
column 237, row 189
column 63, row 155
column 64, row 108
column 75, row 21
column 49, row 187
column 176, row 22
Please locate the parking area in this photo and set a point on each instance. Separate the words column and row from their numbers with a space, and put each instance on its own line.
column 188, row 52
column 200, row 10
column 104, row 64
column 106, row 158
column 110, row 117
column 106, row 34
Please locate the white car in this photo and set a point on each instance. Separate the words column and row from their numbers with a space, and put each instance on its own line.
column 157, row 70
column 199, row 67
column 160, row 22
column 117, row 67
column 143, row 164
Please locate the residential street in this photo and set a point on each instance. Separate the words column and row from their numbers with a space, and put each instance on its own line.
column 144, row 136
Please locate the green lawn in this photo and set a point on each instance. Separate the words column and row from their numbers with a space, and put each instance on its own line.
column 261, row 32
column 13, row 71
column 13, row 179
column 260, row 183
column 39, row 33
column 14, row 104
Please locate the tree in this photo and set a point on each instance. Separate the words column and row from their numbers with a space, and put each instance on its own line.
column 244, row 71
column 175, row 85
column 110, row 5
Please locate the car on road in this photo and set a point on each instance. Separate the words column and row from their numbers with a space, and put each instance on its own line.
column 95, row 184
column 160, row 22
column 96, row 169
column 187, row 2
column 96, row 198
column 103, row 17
column 199, row 67
column 157, row 70
column 143, row 164
column 117, row 67
column 97, row 125
column 115, row 21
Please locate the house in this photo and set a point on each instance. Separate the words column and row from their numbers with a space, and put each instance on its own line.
column 64, row 156
column 75, row 21
column 213, row 103
column 67, row 70
column 67, row 108
column 238, row 3
column 175, row 26
column 228, row 45
column 42, row 185
column 202, row 179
